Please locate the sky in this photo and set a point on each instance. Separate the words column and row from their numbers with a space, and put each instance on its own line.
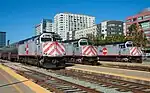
column 19, row 17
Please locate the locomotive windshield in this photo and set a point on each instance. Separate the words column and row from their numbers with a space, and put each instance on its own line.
column 46, row 39
column 83, row 42
column 129, row 44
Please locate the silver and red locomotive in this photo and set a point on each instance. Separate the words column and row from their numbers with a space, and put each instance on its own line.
column 80, row 51
column 120, row 51
column 44, row 50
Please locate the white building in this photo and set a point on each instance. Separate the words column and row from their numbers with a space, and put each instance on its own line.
column 124, row 29
column 46, row 25
column 84, row 32
column 66, row 22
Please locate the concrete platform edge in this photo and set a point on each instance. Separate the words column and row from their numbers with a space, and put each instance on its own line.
column 115, row 76
column 33, row 86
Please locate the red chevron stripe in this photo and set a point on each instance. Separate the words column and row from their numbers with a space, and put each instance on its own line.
column 52, row 52
column 94, row 53
column 57, row 44
column 89, row 52
column 86, row 50
column 133, row 50
column 49, row 47
column 94, row 50
column 58, row 51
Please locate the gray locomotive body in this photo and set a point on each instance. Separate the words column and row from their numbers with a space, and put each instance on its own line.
column 123, row 51
column 43, row 50
column 80, row 51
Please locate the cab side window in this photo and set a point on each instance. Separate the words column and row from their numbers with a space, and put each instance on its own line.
column 122, row 46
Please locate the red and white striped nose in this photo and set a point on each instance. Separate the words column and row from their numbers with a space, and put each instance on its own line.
column 53, row 49
column 89, row 50
column 135, row 51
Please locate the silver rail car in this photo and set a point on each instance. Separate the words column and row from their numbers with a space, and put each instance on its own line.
column 120, row 51
column 80, row 51
column 44, row 50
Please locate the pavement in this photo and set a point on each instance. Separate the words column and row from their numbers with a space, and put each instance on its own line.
column 11, row 82
column 144, row 64
column 141, row 77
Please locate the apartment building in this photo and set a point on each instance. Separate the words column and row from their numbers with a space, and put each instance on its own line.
column 105, row 28
column 112, row 27
column 64, row 23
column 142, row 19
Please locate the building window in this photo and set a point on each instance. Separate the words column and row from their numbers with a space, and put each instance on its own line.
column 140, row 18
column 112, row 28
column 113, row 33
column 128, row 20
column 146, row 16
column 145, row 25
column 128, row 26
column 120, row 25
column 61, row 27
column 134, row 19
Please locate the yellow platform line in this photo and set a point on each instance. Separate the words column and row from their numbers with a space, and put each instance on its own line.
column 113, row 74
column 15, row 86
column 33, row 86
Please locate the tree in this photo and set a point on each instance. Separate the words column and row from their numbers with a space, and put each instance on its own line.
column 137, row 35
column 99, row 39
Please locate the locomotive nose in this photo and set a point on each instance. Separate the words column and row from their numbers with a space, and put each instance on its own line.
column 89, row 50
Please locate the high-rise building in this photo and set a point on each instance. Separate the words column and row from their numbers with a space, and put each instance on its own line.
column 93, row 30
column 105, row 28
column 112, row 27
column 2, row 39
column 66, row 22
column 142, row 19
column 46, row 25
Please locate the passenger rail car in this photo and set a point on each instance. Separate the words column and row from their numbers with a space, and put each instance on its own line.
column 80, row 51
column 44, row 50
column 122, row 51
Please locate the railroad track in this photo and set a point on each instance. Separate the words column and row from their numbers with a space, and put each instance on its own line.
column 54, row 84
column 119, row 85
column 51, row 82
column 93, row 83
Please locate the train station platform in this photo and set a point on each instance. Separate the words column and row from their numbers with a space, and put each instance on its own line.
column 135, row 76
column 144, row 64
column 11, row 82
